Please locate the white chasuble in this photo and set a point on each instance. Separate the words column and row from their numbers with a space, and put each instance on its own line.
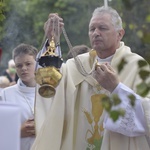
column 73, row 121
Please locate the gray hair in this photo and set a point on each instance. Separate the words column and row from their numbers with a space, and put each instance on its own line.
column 116, row 19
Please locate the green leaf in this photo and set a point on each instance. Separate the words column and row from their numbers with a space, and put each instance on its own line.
column 142, row 63
column 132, row 99
column 107, row 103
column 121, row 65
column 2, row 17
column 114, row 114
column 131, row 26
column 143, row 89
column 116, row 100
column 140, row 33
column 144, row 74
column 148, row 18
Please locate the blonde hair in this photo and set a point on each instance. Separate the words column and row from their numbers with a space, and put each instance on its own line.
column 24, row 49
column 11, row 63
column 4, row 82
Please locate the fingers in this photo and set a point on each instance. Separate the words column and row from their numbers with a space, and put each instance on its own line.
column 30, row 124
column 104, row 68
column 101, row 68
column 106, row 76
column 53, row 26
column 31, row 119
column 109, row 67
column 30, row 132
column 52, row 14
column 28, row 128
column 54, row 17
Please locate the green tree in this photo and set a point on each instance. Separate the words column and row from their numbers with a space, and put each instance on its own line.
column 24, row 22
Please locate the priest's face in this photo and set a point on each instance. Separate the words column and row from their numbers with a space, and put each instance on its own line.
column 103, row 36
column 25, row 67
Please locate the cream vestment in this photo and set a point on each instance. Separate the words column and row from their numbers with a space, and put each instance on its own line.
column 75, row 119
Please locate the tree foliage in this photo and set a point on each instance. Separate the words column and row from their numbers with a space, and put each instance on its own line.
column 22, row 22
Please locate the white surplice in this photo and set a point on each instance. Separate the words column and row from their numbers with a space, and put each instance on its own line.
column 24, row 97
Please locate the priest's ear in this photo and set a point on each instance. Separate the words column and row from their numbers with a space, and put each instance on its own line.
column 121, row 34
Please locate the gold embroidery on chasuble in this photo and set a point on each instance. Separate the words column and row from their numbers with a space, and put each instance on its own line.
column 94, row 115
column 94, row 135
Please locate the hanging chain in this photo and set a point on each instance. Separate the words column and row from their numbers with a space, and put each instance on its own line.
column 78, row 62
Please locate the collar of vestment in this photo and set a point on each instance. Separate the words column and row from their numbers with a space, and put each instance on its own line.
column 87, row 60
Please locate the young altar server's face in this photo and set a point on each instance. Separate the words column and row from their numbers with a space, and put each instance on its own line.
column 25, row 67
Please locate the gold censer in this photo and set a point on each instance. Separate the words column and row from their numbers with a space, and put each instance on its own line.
column 48, row 76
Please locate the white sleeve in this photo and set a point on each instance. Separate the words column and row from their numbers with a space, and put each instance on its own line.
column 133, row 123
column 146, row 108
